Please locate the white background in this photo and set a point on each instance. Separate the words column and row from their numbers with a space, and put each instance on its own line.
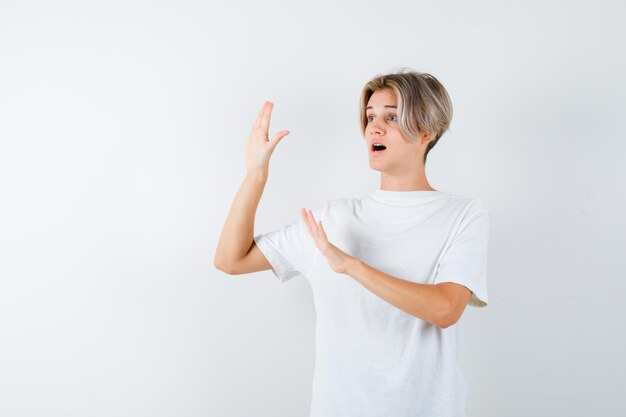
column 122, row 133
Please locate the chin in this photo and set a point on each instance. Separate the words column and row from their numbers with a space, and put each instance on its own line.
column 375, row 168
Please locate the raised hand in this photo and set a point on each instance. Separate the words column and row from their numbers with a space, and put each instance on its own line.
column 338, row 260
column 259, row 148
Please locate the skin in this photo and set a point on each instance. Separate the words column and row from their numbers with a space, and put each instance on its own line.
column 259, row 147
column 402, row 169
column 401, row 165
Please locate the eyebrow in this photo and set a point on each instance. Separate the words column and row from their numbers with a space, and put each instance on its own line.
column 387, row 107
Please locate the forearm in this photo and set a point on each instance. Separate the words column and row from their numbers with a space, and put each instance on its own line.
column 238, row 231
column 424, row 301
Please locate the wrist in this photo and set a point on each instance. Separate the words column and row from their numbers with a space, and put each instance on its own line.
column 257, row 176
column 352, row 266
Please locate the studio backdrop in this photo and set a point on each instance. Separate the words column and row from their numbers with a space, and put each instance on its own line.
column 123, row 127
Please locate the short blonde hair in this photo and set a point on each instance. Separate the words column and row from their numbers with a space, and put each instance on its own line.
column 423, row 104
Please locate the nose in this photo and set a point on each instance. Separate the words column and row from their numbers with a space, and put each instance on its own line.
column 376, row 128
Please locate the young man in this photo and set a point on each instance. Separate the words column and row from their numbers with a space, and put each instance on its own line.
column 391, row 272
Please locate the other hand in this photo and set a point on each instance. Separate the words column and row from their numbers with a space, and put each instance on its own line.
column 338, row 260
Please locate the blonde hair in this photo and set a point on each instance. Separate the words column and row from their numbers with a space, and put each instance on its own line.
column 423, row 104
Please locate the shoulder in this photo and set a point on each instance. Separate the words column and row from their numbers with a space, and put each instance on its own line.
column 470, row 205
column 476, row 206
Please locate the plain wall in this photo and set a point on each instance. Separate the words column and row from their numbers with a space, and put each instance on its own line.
column 123, row 126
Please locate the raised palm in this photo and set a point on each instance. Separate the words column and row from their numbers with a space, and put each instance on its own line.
column 259, row 148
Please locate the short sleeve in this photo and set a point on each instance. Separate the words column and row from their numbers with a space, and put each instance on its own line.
column 465, row 259
column 290, row 250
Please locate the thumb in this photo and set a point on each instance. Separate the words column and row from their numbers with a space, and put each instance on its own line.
column 278, row 136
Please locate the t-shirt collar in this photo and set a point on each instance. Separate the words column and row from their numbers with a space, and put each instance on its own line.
column 388, row 196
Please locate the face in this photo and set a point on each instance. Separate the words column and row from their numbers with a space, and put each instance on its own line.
column 382, row 127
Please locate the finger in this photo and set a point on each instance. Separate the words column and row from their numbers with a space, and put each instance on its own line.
column 305, row 219
column 265, row 120
column 322, row 232
column 310, row 225
column 278, row 136
column 257, row 123
column 319, row 228
column 313, row 223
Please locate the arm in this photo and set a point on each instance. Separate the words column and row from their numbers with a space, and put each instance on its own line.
column 237, row 236
column 238, row 231
column 441, row 304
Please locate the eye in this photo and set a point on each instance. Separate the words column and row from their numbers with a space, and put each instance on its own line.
column 393, row 118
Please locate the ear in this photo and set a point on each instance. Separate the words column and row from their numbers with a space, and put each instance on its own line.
column 425, row 137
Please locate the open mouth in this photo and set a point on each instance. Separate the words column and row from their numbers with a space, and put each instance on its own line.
column 378, row 148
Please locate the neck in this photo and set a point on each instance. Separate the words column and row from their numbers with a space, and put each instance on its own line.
column 417, row 182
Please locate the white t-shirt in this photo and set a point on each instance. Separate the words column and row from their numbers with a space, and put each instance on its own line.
column 373, row 359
